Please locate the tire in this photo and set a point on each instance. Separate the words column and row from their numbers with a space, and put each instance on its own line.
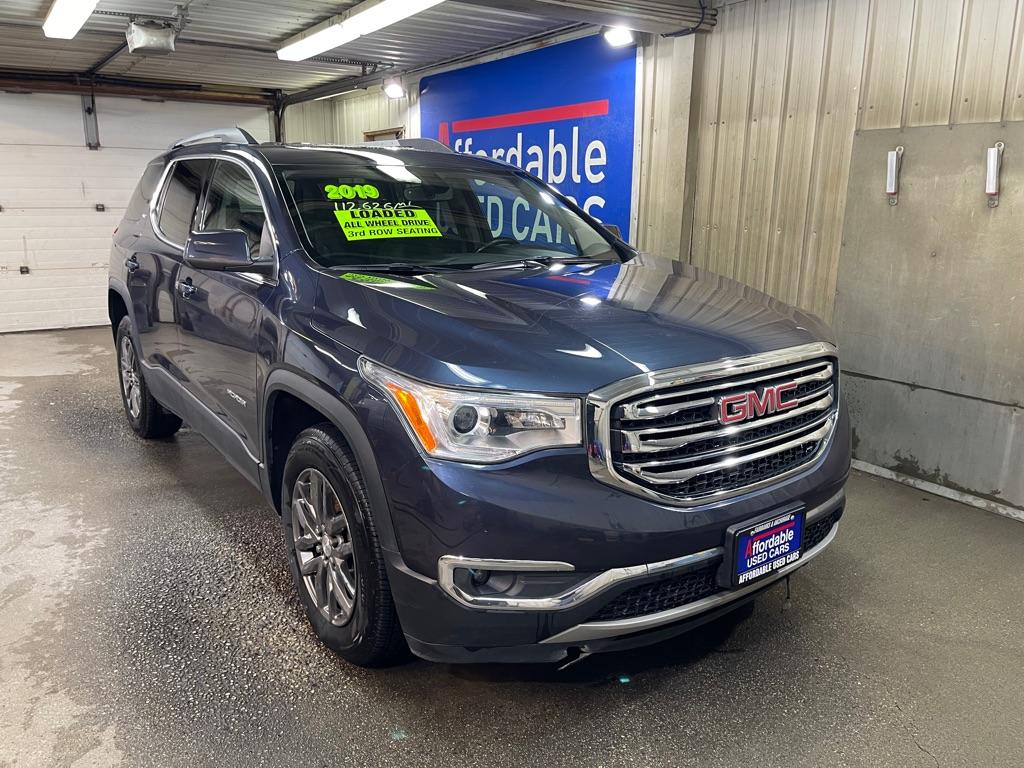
column 333, row 552
column 148, row 419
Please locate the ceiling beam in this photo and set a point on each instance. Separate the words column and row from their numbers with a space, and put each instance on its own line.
column 338, row 87
column 70, row 82
column 107, row 58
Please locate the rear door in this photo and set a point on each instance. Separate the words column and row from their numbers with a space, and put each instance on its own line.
column 219, row 313
column 154, row 259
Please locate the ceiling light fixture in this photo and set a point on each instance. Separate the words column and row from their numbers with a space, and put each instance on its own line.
column 617, row 37
column 393, row 89
column 66, row 17
column 363, row 19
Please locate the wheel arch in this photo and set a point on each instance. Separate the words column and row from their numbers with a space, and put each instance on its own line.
column 118, row 305
column 287, row 389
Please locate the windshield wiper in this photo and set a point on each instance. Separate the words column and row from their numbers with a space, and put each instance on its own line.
column 395, row 268
column 540, row 261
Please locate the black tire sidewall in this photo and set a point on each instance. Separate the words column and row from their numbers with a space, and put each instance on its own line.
column 124, row 330
column 154, row 422
column 313, row 451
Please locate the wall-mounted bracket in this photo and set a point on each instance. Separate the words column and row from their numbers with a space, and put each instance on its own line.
column 993, row 168
column 89, row 121
column 893, row 162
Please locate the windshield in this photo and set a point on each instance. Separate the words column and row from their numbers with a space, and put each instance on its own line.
column 386, row 214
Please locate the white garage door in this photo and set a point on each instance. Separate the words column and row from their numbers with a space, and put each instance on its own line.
column 54, row 243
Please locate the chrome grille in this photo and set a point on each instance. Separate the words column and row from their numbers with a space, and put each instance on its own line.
column 665, row 436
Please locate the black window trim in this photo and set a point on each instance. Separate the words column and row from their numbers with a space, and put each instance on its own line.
column 156, row 203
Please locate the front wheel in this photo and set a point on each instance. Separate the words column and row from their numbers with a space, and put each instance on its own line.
column 333, row 553
column 148, row 419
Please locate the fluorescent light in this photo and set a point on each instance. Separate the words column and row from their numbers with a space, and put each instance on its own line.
column 393, row 89
column 66, row 17
column 374, row 16
column 324, row 40
column 363, row 19
column 618, row 36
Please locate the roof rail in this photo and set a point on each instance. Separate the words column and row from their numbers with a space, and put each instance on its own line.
column 234, row 135
column 428, row 145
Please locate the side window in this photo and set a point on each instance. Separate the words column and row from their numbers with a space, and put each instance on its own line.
column 180, row 198
column 138, row 206
column 233, row 202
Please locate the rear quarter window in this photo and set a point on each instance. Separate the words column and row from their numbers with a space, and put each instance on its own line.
column 138, row 205
column 179, row 199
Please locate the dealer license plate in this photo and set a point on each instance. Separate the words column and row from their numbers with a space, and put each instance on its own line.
column 765, row 547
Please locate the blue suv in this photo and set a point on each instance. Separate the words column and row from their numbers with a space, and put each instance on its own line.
column 493, row 430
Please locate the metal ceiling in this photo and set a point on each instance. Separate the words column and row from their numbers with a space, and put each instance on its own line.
column 230, row 45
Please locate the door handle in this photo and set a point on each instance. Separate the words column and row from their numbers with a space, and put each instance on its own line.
column 132, row 263
column 186, row 289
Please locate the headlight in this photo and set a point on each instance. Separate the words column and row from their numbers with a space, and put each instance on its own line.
column 479, row 427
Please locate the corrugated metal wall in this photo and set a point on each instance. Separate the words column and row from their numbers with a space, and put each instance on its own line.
column 781, row 86
column 343, row 120
column 666, row 150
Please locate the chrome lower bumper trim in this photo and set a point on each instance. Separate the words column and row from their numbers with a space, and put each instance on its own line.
column 585, row 590
column 447, row 565
column 597, row 630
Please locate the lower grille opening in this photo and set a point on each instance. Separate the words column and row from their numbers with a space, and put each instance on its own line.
column 661, row 595
column 816, row 532
column 694, row 585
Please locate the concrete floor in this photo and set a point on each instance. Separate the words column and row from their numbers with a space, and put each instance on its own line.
column 146, row 618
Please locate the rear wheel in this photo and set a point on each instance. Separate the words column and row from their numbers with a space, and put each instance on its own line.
column 333, row 552
column 148, row 419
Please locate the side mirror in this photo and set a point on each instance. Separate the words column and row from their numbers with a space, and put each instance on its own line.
column 225, row 250
column 613, row 229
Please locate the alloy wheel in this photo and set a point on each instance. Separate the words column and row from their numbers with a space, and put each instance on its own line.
column 130, row 382
column 323, row 546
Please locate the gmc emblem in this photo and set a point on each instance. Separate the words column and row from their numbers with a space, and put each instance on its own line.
column 733, row 409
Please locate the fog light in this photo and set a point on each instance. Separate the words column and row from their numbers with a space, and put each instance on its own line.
column 478, row 577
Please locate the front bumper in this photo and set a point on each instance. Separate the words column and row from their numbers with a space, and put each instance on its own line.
column 577, row 627
column 550, row 508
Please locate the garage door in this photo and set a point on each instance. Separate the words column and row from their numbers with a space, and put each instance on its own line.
column 60, row 201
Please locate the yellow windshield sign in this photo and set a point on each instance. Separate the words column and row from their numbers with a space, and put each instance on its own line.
column 386, row 223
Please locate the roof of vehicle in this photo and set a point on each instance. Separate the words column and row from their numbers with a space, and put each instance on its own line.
column 354, row 154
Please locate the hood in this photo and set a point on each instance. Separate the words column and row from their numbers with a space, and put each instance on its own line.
column 565, row 329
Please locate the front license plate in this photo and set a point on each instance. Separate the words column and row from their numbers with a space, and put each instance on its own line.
column 763, row 548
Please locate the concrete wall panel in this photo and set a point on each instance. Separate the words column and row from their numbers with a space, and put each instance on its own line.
column 929, row 315
column 931, row 290
column 968, row 445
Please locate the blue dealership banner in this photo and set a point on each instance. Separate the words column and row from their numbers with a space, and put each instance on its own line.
column 565, row 113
